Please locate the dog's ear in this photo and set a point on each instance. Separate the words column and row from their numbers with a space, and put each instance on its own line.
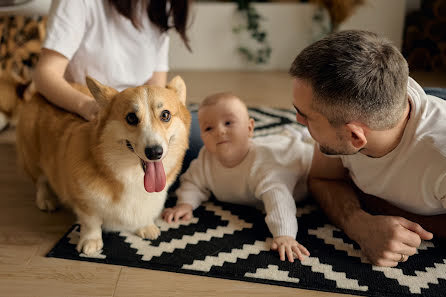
column 101, row 93
column 177, row 84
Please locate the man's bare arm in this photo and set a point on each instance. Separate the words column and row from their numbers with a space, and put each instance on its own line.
column 330, row 186
column 385, row 240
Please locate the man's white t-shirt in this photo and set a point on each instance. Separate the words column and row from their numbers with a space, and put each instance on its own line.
column 105, row 45
column 412, row 176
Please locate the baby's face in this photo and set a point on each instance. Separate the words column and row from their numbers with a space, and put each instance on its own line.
column 226, row 129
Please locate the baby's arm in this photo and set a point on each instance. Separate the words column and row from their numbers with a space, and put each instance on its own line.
column 282, row 222
column 192, row 191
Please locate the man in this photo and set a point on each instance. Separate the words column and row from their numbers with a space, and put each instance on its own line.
column 378, row 135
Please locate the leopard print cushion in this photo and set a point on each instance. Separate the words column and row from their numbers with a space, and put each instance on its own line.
column 20, row 43
column 21, row 39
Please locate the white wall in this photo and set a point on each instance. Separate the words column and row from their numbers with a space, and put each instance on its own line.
column 214, row 44
column 289, row 26
column 380, row 16
column 39, row 7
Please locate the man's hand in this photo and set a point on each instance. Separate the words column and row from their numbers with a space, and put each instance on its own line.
column 181, row 211
column 387, row 240
column 288, row 245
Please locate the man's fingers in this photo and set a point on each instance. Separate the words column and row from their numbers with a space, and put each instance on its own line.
column 398, row 257
column 407, row 250
column 385, row 263
column 414, row 227
column 408, row 237
column 396, row 246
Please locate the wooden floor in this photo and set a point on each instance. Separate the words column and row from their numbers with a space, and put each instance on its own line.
column 27, row 234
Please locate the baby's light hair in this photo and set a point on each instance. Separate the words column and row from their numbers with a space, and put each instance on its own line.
column 218, row 97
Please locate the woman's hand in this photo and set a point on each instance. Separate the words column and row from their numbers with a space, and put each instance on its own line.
column 89, row 109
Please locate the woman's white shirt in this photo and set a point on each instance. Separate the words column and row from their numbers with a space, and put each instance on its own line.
column 105, row 45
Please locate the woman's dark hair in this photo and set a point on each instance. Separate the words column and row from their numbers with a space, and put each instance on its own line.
column 158, row 14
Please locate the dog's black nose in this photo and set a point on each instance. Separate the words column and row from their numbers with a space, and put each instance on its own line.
column 154, row 152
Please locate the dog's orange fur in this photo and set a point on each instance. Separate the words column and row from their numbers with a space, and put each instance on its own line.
column 88, row 165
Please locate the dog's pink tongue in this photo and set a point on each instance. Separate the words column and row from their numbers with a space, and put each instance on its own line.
column 154, row 177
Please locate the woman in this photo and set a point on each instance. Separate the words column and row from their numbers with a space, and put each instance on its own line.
column 120, row 43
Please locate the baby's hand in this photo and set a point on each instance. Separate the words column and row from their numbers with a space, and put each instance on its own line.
column 181, row 211
column 288, row 245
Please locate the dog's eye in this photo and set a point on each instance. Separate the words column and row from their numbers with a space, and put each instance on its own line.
column 132, row 119
column 165, row 116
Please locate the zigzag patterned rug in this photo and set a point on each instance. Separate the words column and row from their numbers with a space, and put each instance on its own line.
column 228, row 241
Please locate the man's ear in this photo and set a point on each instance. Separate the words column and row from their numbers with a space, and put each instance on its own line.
column 101, row 93
column 251, row 127
column 177, row 84
column 357, row 134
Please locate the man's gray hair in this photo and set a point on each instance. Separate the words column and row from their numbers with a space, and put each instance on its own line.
column 355, row 76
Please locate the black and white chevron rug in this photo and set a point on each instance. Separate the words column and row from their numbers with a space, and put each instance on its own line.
column 229, row 241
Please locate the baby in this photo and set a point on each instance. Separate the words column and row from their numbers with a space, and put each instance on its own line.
column 259, row 172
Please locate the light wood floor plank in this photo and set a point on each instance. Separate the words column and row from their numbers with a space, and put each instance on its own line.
column 18, row 247
column 56, row 277
column 141, row 282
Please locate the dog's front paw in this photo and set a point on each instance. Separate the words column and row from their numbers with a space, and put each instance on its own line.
column 90, row 246
column 150, row 232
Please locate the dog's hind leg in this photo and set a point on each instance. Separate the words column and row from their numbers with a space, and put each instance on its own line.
column 46, row 200
column 90, row 240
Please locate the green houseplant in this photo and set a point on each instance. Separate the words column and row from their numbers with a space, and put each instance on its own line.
column 261, row 52
column 328, row 17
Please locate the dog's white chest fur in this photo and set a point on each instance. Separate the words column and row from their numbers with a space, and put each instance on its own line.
column 136, row 207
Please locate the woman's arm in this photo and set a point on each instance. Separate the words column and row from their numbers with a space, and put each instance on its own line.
column 158, row 79
column 50, row 82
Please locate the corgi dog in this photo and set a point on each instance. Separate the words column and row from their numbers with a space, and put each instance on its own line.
column 114, row 171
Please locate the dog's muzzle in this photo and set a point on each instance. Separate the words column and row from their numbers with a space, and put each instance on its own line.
column 129, row 145
column 154, row 175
